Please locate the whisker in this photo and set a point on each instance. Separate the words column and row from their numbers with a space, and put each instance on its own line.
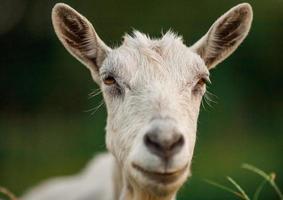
column 211, row 96
column 94, row 93
column 203, row 105
column 208, row 98
column 207, row 101
column 95, row 109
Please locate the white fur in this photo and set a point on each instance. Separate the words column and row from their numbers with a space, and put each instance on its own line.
column 156, row 78
column 93, row 181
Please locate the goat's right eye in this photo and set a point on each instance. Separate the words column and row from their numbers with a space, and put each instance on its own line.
column 109, row 80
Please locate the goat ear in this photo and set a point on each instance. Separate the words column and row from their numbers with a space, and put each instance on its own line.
column 225, row 35
column 79, row 37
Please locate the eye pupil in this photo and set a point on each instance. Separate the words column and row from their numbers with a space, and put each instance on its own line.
column 201, row 82
column 109, row 80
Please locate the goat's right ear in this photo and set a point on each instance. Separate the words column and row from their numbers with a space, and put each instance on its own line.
column 79, row 37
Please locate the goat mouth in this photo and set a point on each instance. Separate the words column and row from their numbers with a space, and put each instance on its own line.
column 161, row 177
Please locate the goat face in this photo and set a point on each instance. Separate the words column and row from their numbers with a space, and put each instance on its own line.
column 153, row 90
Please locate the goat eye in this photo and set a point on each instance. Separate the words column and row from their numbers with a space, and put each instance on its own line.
column 200, row 85
column 109, row 80
column 202, row 82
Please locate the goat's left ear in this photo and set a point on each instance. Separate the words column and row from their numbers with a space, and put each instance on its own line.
column 79, row 37
column 225, row 35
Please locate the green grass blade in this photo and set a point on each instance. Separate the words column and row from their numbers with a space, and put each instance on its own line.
column 269, row 178
column 259, row 189
column 7, row 193
column 239, row 188
column 256, row 170
column 225, row 188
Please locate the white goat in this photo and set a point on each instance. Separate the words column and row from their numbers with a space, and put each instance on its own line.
column 152, row 89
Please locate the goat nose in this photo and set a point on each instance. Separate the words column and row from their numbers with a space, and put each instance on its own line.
column 163, row 143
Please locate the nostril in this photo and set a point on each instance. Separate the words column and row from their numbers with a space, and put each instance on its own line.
column 164, row 145
column 151, row 142
column 178, row 141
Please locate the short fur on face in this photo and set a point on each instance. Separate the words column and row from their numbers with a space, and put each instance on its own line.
column 147, row 79
column 153, row 83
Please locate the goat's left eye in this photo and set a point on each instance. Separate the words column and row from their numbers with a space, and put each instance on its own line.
column 200, row 85
column 202, row 82
column 109, row 80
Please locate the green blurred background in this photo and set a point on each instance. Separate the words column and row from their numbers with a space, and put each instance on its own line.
column 46, row 131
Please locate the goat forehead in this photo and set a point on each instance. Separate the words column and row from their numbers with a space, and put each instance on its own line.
column 142, row 56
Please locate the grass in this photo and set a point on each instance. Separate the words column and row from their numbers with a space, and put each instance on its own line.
column 240, row 192
column 7, row 193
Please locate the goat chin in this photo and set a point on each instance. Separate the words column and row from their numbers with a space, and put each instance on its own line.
column 100, row 179
column 159, row 185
